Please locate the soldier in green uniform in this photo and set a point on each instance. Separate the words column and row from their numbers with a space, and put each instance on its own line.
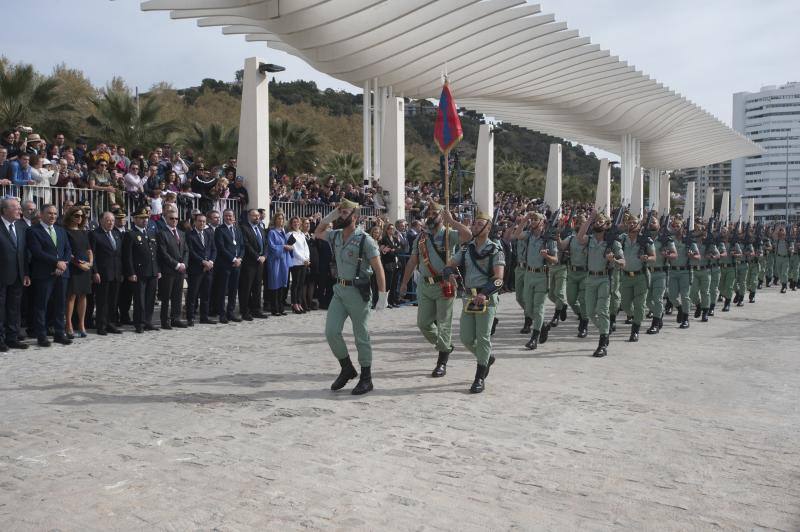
column 357, row 257
column 435, row 294
column 728, row 262
column 700, row 291
column 481, row 264
column 742, row 267
column 615, row 297
column 576, row 275
column 600, row 258
column 752, row 254
column 715, row 274
column 541, row 253
column 768, row 260
column 782, row 252
column 659, row 271
column 557, row 281
column 794, row 260
column 680, row 273
column 634, row 277
column 521, row 270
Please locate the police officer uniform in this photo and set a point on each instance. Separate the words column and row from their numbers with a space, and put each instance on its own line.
column 140, row 258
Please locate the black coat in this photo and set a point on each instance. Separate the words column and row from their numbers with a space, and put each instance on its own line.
column 13, row 259
column 171, row 252
column 198, row 252
column 140, row 254
column 251, row 245
column 227, row 251
column 107, row 260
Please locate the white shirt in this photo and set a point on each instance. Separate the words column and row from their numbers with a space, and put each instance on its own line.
column 301, row 252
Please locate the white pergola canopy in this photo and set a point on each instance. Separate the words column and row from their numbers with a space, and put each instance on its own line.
column 503, row 57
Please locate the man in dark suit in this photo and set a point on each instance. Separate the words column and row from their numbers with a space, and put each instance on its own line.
column 173, row 257
column 122, row 314
column 13, row 272
column 50, row 253
column 107, row 246
column 255, row 256
column 202, row 254
column 213, row 219
column 140, row 265
column 230, row 249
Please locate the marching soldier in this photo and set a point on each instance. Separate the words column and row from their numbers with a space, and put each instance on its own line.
column 767, row 261
column 715, row 274
column 357, row 257
column 781, row 255
column 615, row 296
column 481, row 264
column 634, row 275
column 752, row 254
column 680, row 273
column 794, row 260
column 727, row 269
column 742, row 267
column 557, row 281
column 140, row 264
column 521, row 270
column 435, row 294
column 540, row 254
column 659, row 271
column 577, row 274
column 700, row 291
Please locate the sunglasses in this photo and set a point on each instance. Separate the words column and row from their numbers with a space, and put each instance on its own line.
column 173, row 218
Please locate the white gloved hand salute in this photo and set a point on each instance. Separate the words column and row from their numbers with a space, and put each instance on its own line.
column 383, row 301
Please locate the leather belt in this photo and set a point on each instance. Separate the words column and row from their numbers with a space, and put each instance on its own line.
column 433, row 280
column 683, row 268
column 577, row 269
column 631, row 274
column 598, row 274
column 344, row 282
column 538, row 270
column 659, row 269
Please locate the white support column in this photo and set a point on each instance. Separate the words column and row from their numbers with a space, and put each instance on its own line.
column 738, row 213
column 629, row 160
column 602, row 201
column 552, row 187
column 253, row 153
column 483, row 186
column 637, row 192
column 725, row 208
column 653, row 189
column 688, row 204
column 708, row 206
column 664, row 195
column 751, row 210
column 367, row 127
column 393, row 147
column 376, row 130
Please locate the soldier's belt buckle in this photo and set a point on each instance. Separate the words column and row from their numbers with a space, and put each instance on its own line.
column 430, row 280
column 474, row 308
column 631, row 274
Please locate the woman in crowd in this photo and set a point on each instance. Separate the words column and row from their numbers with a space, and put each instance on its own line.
column 299, row 264
column 376, row 232
column 389, row 246
column 100, row 181
column 312, row 274
column 80, row 276
column 279, row 258
column 172, row 182
column 42, row 172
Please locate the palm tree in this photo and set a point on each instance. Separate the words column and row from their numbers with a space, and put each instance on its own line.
column 515, row 176
column 291, row 148
column 215, row 143
column 345, row 166
column 27, row 98
column 413, row 169
column 122, row 120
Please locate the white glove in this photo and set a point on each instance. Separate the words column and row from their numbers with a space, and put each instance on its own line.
column 383, row 301
column 330, row 217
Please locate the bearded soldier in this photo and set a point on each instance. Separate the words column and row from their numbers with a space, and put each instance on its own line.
column 659, row 270
column 794, row 260
column 742, row 267
column 680, row 273
column 557, row 282
column 576, row 275
column 752, row 254
column 700, row 291
column 435, row 294
column 767, row 260
column 634, row 276
column 783, row 250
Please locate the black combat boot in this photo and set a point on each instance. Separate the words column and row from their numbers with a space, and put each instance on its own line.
column 534, row 341
column 769, row 282
column 545, row 332
column 719, row 298
column 348, row 372
column 478, row 383
column 583, row 327
column 526, row 328
column 494, row 326
column 752, row 297
column 783, row 288
column 628, row 320
column 680, row 315
column 711, row 310
column 601, row 347
column 562, row 315
column 554, row 319
column 653, row 327
column 705, row 315
column 739, row 299
column 634, row 333
column 489, row 365
column 364, row 382
column 685, row 322
column 794, row 286
column 441, row 364
column 775, row 280
column 697, row 311
column 727, row 306
column 760, row 284
column 612, row 323
column 668, row 307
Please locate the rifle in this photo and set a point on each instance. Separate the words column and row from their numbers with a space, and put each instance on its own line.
column 759, row 238
column 614, row 232
column 643, row 239
column 709, row 239
column 663, row 232
column 688, row 239
column 550, row 226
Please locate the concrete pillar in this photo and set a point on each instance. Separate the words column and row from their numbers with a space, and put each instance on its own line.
column 393, row 162
column 367, row 133
column 751, row 210
column 483, row 186
column 602, row 201
column 253, row 154
column 552, row 187
column 376, row 130
column 688, row 205
column 637, row 192
column 664, row 195
column 708, row 206
column 725, row 208
column 654, row 189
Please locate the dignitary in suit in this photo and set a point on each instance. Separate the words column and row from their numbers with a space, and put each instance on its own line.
column 50, row 254
column 140, row 264
column 230, row 250
column 254, row 239
column 13, row 272
column 173, row 257
column 202, row 254
column 107, row 246
column 125, row 296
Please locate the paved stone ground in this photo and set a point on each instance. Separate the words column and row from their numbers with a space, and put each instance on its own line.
column 234, row 428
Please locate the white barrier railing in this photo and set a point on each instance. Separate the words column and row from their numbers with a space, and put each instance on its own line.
column 291, row 209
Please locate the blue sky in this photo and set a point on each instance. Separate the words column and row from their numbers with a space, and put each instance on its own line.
column 704, row 49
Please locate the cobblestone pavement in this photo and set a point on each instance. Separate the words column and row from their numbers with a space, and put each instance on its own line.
column 234, row 428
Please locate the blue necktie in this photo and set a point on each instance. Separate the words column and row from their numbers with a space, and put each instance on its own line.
column 260, row 239
column 13, row 234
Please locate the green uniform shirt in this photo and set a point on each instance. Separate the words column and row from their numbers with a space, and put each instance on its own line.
column 535, row 244
column 734, row 248
column 346, row 253
column 782, row 248
column 522, row 252
column 660, row 249
column 631, row 251
column 577, row 252
column 430, row 241
column 721, row 248
column 682, row 259
column 596, row 254
column 704, row 250
column 492, row 255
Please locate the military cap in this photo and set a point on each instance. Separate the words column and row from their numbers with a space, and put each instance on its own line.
column 602, row 218
column 433, row 206
column 347, row 204
column 120, row 214
column 144, row 212
column 537, row 216
column 483, row 216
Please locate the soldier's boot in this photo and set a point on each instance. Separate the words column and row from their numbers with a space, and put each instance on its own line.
column 545, row 332
column 719, row 298
column 660, row 323
column 554, row 319
column 727, row 306
column 791, row 284
column 760, row 284
column 649, row 314
column 634, row 333
column 680, row 315
column 612, row 323
column 769, row 282
column 668, row 307
column 364, row 382
column 441, row 364
column 534, row 341
column 794, row 286
column 752, row 297
column 697, row 311
column 494, row 326
column 526, row 328
column 775, row 280
column 654, row 328
column 583, row 327
column 478, row 384
column 562, row 315
column 705, row 315
column 348, row 372
column 711, row 310
column 489, row 365
column 783, row 288
column 601, row 347
column 628, row 320
column 739, row 299
column 685, row 322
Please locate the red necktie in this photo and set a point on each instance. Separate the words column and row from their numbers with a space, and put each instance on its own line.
column 177, row 238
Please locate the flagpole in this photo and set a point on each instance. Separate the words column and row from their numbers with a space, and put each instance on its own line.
column 447, row 205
